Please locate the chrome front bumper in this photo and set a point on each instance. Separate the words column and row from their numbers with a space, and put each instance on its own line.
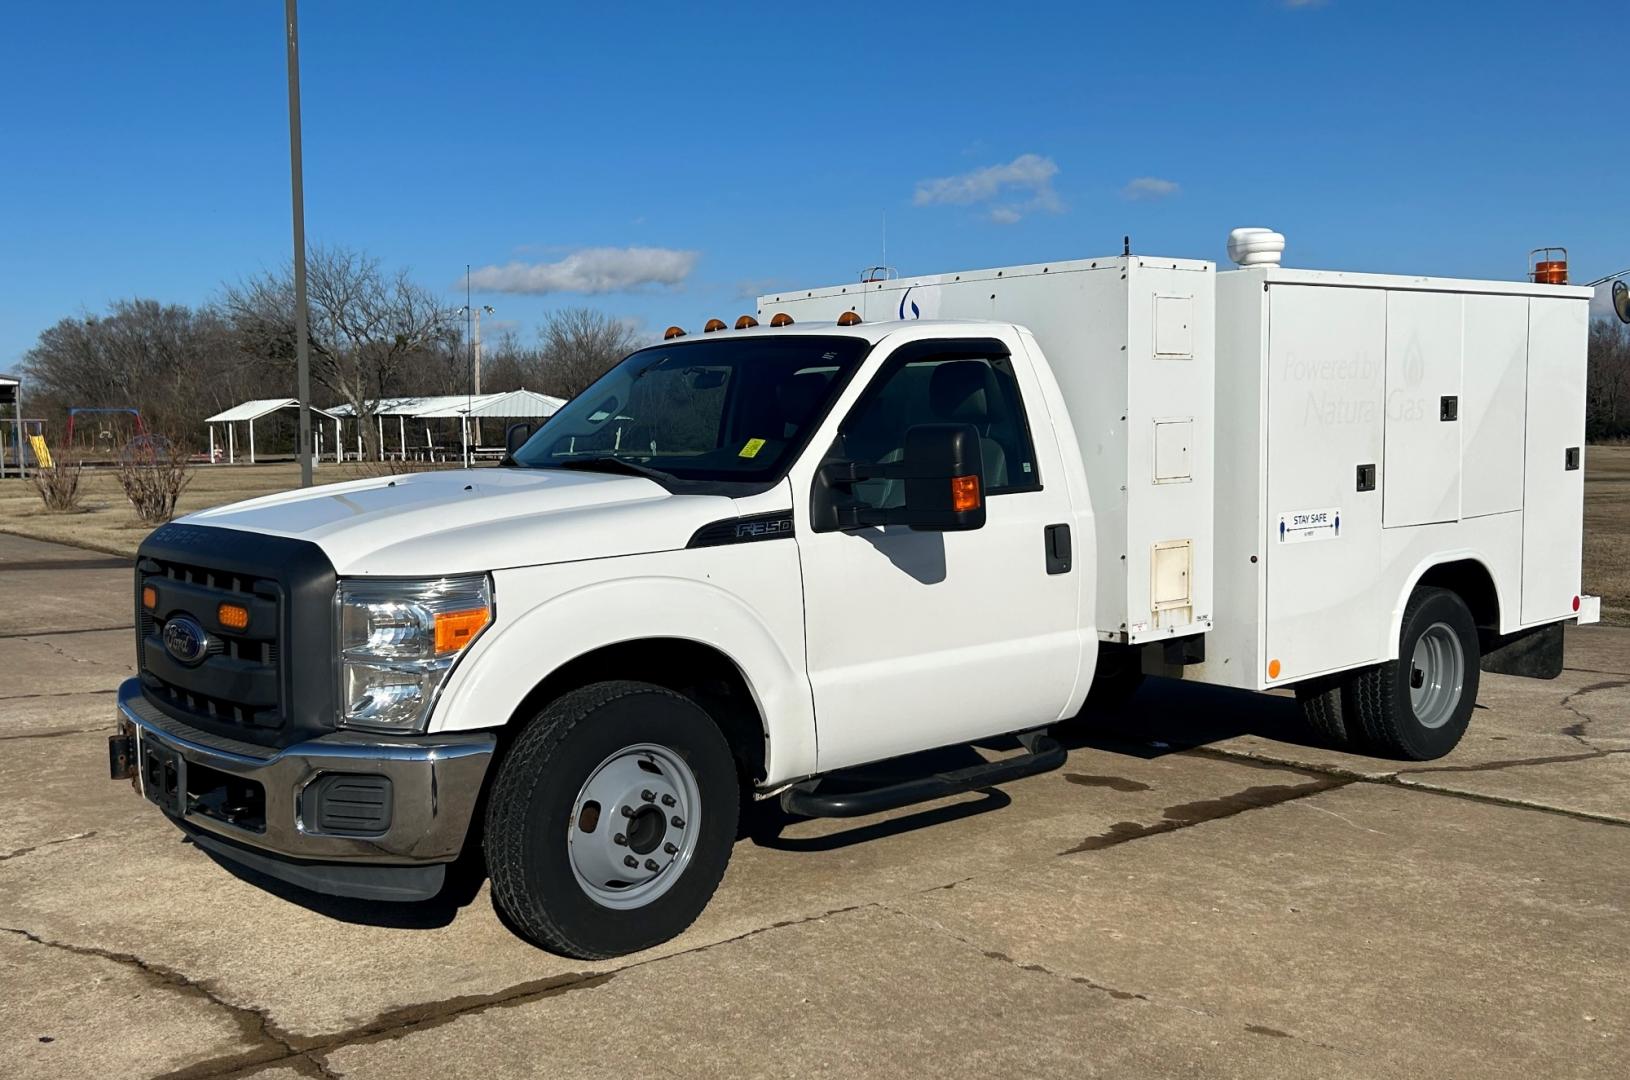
column 435, row 783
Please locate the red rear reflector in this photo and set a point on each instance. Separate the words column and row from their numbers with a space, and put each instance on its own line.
column 1576, row 603
column 964, row 493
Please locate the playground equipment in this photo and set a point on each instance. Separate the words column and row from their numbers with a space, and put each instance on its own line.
column 36, row 440
column 77, row 411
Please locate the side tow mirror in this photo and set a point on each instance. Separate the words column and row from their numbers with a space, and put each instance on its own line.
column 515, row 437
column 943, row 473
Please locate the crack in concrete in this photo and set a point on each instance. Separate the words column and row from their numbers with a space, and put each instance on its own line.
column 44, row 844
column 1187, row 815
column 255, row 1026
column 1396, row 779
column 33, row 639
column 104, row 729
column 1576, row 732
column 273, row 1045
column 1092, row 984
column 68, row 630
column 53, row 694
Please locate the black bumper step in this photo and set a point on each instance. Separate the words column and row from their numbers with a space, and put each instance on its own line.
column 1042, row 754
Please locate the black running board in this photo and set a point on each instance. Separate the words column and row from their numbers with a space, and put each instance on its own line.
column 1042, row 754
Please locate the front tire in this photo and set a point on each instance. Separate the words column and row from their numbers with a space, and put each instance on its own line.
column 1417, row 707
column 611, row 820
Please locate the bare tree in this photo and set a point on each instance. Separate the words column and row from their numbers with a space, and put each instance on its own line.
column 369, row 331
column 579, row 345
column 1607, row 394
column 173, row 363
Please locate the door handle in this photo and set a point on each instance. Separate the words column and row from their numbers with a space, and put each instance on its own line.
column 1057, row 538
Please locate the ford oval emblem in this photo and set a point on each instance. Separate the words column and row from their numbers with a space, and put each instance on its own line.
column 185, row 640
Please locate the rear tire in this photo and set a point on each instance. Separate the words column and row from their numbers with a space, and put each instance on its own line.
column 611, row 772
column 1324, row 711
column 1416, row 708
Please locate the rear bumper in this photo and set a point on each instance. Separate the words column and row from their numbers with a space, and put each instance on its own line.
column 264, row 808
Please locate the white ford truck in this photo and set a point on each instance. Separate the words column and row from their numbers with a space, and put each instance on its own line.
column 900, row 515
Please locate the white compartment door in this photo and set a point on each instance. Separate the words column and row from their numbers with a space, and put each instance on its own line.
column 1326, row 390
column 1422, row 484
column 1495, row 380
column 1554, row 493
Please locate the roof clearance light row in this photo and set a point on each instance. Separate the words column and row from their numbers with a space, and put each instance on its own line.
column 747, row 322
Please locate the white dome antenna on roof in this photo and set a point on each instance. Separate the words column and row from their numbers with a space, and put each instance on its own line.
column 1255, row 247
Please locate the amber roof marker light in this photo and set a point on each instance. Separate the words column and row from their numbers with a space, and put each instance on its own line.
column 849, row 318
column 713, row 325
column 1548, row 266
column 746, row 322
column 672, row 332
column 781, row 318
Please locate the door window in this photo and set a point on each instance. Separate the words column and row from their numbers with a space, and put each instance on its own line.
column 941, row 387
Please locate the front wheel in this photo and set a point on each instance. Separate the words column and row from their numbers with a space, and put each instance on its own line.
column 611, row 820
column 1417, row 707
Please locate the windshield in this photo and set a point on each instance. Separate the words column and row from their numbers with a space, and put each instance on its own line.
column 710, row 410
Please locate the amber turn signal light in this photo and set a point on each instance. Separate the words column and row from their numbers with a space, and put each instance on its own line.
column 964, row 493
column 232, row 616
column 149, row 597
column 456, row 629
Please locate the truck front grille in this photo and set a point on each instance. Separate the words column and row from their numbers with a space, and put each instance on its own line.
column 270, row 682
column 239, row 680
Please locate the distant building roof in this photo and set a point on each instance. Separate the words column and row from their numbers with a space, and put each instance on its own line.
column 254, row 410
column 515, row 405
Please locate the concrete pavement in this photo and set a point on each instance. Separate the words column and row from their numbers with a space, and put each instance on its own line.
column 1201, row 891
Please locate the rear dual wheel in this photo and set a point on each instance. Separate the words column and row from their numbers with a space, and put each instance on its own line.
column 1415, row 708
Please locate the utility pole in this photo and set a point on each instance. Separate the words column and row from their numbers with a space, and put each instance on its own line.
column 302, row 346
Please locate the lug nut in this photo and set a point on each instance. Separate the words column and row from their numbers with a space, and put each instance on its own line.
column 670, row 849
column 677, row 822
column 630, row 862
column 620, row 840
column 667, row 800
column 627, row 811
column 648, row 795
column 651, row 864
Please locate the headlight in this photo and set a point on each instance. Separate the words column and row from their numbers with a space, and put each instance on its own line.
column 398, row 640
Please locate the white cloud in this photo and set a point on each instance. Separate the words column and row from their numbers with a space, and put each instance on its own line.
column 1150, row 187
column 590, row 270
column 1030, row 174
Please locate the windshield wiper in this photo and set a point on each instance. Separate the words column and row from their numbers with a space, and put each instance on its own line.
column 610, row 463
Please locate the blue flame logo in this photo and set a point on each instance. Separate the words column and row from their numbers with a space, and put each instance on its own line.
column 915, row 312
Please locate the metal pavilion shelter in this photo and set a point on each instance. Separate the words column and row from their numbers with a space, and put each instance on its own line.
column 250, row 411
column 403, row 410
column 520, row 404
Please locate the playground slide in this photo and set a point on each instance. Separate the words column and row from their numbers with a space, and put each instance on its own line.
column 42, row 453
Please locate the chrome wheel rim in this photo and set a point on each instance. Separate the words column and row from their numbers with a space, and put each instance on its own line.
column 1437, row 671
column 634, row 825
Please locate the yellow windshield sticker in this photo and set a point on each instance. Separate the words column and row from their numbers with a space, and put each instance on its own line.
column 752, row 448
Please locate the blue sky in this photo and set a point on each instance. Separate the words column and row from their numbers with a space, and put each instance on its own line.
column 681, row 158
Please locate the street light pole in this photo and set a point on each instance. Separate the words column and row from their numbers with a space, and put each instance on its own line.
column 302, row 346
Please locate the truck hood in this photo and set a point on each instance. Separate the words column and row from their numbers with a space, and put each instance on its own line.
column 474, row 520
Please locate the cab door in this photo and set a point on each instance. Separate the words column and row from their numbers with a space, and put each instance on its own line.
column 921, row 639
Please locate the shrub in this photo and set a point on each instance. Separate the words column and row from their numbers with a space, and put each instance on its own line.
column 154, row 472
column 58, row 484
